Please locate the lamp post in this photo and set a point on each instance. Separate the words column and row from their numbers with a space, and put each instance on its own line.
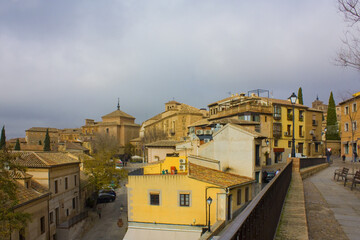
column 209, row 201
column 293, row 99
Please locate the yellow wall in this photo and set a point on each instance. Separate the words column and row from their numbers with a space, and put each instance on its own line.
column 169, row 211
column 166, row 165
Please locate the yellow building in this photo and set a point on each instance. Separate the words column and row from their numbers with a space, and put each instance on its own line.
column 275, row 122
column 60, row 174
column 168, row 199
column 33, row 199
column 350, row 133
column 117, row 124
column 172, row 123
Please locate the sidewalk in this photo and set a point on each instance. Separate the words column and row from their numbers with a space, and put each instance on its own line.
column 333, row 211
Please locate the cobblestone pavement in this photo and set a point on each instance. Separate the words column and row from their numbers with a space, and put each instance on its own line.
column 106, row 228
column 333, row 211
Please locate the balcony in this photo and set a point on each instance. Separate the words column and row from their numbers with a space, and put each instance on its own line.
column 277, row 116
column 314, row 122
column 290, row 117
column 301, row 118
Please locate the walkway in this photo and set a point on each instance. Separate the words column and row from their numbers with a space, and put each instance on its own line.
column 106, row 228
column 333, row 211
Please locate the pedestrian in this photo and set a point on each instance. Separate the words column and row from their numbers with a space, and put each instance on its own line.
column 355, row 156
column 264, row 175
column 98, row 210
column 328, row 154
column 343, row 157
column 277, row 172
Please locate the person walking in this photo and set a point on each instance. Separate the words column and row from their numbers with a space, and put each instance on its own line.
column 343, row 157
column 355, row 156
column 98, row 210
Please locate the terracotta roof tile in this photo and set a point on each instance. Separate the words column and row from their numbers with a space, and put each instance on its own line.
column 118, row 113
column 163, row 143
column 43, row 159
column 216, row 177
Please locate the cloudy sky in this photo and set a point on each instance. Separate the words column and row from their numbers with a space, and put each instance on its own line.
column 64, row 61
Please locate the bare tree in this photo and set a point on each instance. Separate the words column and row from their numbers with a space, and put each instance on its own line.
column 349, row 54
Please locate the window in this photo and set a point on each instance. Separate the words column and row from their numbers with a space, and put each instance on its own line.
column 246, row 194
column 51, row 217
column 155, row 199
column 346, row 110
column 75, row 180
column 316, row 147
column 107, row 130
column 276, row 143
column 354, row 127
column 238, row 198
column 42, row 225
column 57, row 216
column 66, row 183
column 346, row 148
column 289, row 144
column 277, row 112
column 67, row 212
column 301, row 134
column 265, row 118
column 56, row 186
column 354, row 107
column 73, row 203
column 185, row 200
column 346, row 127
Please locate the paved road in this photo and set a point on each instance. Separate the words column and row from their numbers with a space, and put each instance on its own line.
column 333, row 211
column 106, row 228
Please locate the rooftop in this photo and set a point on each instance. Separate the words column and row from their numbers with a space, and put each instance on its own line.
column 216, row 177
column 44, row 159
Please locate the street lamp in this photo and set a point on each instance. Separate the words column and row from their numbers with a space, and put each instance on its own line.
column 209, row 201
column 293, row 99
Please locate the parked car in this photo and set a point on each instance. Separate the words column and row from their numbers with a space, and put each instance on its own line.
column 108, row 190
column 105, row 197
column 270, row 176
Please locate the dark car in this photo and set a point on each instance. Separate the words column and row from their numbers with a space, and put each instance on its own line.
column 105, row 197
column 270, row 176
column 108, row 190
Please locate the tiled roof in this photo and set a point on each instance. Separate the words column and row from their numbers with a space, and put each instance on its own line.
column 163, row 143
column 223, row 121
column 71, row 145
column 42, row 129
column 19, row 175
column 284, row 102
column 118, row 113
column 216, row 177
column 35, row 191
column 43, row 159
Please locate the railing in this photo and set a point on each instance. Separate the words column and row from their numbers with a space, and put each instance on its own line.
column 260, row 218
column 74, row 220
column 308, row 162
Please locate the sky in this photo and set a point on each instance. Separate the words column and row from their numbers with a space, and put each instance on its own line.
column 62, row 62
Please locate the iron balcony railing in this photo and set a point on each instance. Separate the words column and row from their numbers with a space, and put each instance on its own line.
column 260, row 218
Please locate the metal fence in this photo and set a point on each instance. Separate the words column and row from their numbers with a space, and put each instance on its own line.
column 309, row 162
column 260, row 218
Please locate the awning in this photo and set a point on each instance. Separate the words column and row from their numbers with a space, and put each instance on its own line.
column 279, row 149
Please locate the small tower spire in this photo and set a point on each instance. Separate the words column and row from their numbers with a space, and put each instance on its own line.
column 317, row 97
column 118, row 106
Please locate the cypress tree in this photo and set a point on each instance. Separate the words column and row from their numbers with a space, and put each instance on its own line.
column 3, row 138
column 47, row 141
column 17, row 145
column 332, row 132
column 300, row 96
